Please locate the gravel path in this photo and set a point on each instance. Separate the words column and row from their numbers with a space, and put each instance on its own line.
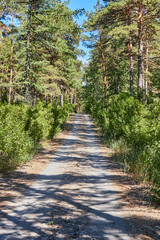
column 73, row 198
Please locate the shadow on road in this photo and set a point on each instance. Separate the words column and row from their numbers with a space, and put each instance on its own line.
column 67, row 214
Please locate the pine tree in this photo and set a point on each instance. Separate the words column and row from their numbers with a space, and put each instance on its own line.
column 127, row 28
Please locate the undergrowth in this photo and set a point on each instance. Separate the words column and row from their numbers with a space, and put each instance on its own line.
column 132, row 129
column 23, row 127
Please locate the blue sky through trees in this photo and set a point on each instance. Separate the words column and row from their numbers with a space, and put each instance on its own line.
column 88, row 5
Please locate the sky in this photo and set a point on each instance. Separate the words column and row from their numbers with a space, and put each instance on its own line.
column 88, row 5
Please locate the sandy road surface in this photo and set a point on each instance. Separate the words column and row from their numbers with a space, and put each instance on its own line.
column 73, row 198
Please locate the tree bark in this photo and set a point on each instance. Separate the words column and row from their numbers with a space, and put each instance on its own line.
column 51, row 99
column 130, row 49
column 140, row 49
column 46, row 98
column 34, row 97
column 104, row 69
column 56, row 102
column 27, row 91
column 147, row 63
column 116, row 80
column 66, row 94
column 71, row 98
column 62, row 97
column 11, row 65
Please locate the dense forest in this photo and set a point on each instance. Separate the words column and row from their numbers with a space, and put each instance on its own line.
column 42, row 78
column 122, row 82
column 40, row 74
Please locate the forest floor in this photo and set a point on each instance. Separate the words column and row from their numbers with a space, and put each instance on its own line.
column 74, row 190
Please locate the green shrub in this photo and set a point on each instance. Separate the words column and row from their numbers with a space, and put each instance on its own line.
column 22, row 128
column 15, row 143
column 151, row 165
column 39, row 122
column 59, row 114
column 133, row 130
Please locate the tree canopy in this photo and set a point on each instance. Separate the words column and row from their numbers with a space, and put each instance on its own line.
column 39, row 56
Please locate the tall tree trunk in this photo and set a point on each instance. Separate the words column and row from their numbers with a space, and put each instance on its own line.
column 116, row 80
column 51, row 99
column 71, row 98
column 27, row 91
column 147, row 63
column 46, row 98
column 1, row 89
column 62, row 97
column 66, row 95
column 131, row 69
column 104, row 69
column 130, row 48
column 11, row 65
column 56, row 102
column 34, row 97
column 140, row 50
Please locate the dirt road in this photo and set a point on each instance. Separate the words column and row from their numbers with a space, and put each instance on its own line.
column 73, row 198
